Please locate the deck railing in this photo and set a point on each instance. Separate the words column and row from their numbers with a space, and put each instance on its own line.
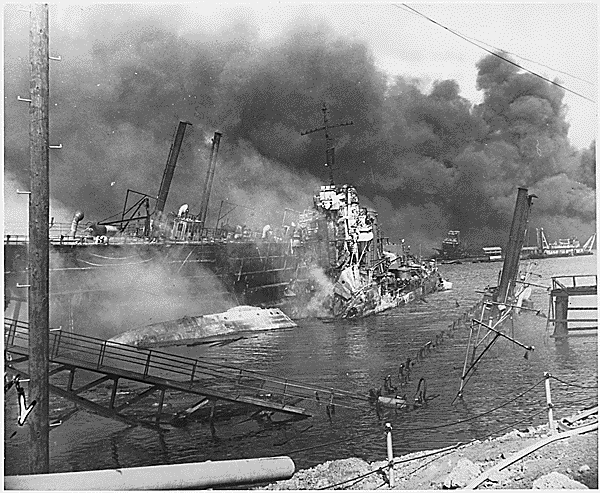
column 102, row 354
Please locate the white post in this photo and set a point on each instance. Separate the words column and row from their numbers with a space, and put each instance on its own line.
column 390, row 453
column 549, row 403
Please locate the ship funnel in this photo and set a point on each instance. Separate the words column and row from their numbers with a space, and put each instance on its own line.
column 209, row 178
column 170, row 167
column 78, row 216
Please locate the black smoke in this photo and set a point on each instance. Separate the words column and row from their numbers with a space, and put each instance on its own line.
column 428, row 161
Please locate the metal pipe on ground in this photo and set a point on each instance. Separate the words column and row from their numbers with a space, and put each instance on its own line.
column 526, row 451
column 197, row 475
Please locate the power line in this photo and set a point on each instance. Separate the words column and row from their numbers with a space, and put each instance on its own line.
column 532, row 61
column 495, row 54
column 509, row 52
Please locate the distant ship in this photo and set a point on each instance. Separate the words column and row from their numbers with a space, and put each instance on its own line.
column 453, row 251
column 565, row 247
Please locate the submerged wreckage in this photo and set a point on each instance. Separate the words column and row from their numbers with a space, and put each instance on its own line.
column 329, row 262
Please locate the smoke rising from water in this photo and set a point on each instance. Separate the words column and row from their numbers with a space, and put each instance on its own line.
column 138, row 291
column 428, row 162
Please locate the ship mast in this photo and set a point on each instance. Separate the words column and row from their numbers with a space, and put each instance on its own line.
column 329, row 150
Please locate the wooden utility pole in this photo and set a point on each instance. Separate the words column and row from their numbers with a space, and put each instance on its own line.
column 329, row 151
column 39, row 215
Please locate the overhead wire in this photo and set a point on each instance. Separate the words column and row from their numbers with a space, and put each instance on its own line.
column 532, row 61
column 418, row 14
column 495, row 54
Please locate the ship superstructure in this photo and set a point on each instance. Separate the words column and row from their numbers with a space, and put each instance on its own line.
column 331, row 259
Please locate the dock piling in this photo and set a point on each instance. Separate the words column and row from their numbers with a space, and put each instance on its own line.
column 390, row 453
column 549, row 403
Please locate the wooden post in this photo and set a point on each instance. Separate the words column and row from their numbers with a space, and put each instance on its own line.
column 549, row 403
column 39, row 215
column 390, row 453
column 561, row 312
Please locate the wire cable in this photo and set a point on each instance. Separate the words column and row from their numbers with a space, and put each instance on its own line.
column 372, row 432
column 479, row 415
column 434, row 452
column 334, row 442
column 497, row 55
column 511, row 53
column 512, row 425
column 573, row 384
column 357, row 478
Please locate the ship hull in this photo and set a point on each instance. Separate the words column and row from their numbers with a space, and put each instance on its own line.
column 234, row 323
column 88, row 281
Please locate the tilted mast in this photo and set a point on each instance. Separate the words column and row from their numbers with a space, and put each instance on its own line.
column 515, row 244
column 329, row 151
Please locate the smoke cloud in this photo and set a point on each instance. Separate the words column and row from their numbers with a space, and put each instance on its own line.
column 131, row 290
column 428, row 161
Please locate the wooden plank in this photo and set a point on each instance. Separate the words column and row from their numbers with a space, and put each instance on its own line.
column 584, row 414
column 97, row 408
column 575, row 291
column 137, row 398
column 91, row 384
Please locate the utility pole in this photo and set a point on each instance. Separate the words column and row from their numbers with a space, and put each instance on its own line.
column 329, row 151
column 39, row 214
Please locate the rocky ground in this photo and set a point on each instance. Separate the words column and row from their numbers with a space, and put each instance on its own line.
column 569, row 463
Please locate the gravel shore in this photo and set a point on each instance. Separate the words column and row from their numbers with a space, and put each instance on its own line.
column 568, row 463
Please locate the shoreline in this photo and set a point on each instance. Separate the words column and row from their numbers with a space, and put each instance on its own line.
column 570, row 462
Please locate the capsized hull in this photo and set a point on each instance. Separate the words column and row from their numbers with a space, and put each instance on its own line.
column 235, row 322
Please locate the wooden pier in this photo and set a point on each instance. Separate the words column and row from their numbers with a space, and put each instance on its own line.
column 565, row 290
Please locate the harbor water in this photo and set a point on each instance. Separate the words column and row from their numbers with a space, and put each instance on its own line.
column 505, row 392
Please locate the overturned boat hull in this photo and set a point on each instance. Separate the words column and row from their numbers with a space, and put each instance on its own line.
column 235, row 322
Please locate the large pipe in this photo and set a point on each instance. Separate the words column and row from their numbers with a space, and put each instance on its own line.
column 195, row 475
column 77, row 217
column 209, row 178
column 165, row 184
column 515, row 244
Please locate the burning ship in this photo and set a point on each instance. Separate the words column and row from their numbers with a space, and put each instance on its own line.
column 330, row 263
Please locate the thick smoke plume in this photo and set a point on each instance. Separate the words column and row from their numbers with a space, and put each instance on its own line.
column 131, row 291
column 428, row 162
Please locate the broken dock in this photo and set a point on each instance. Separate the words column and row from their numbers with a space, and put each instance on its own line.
column 566, row 295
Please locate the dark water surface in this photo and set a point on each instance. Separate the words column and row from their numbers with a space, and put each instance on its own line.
column 356, row 356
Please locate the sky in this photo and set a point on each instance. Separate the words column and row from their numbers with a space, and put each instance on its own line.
column 558, row 41
column 259, row 71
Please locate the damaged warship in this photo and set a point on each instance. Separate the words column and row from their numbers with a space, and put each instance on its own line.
column 330, row 263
